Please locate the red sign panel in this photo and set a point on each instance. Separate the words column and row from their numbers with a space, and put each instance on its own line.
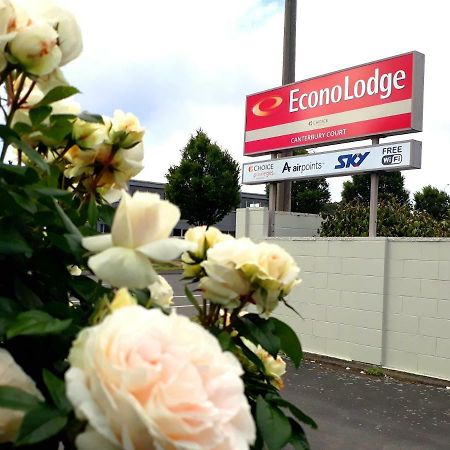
column 376, row 99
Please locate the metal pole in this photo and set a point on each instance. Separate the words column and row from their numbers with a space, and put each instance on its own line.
column 272, row 205
column 373, row 205
column 288, row 76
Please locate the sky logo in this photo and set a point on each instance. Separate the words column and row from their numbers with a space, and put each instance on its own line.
column 351, row 160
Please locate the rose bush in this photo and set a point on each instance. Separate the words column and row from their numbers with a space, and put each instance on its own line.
column 91, row 355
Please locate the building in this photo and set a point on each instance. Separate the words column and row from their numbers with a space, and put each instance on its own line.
column 226, row 225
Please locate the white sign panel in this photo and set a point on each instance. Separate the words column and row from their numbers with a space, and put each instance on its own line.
column 402, row 155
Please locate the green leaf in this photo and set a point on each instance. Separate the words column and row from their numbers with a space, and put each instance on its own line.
column 26, row 296
column 14, row 398
column 39, row 114
column 252, row 357
column 70, row 227
column 273, row 425
column 8, row 311
column 24, row 201
column 58, row 93
column 296, row 412
column 12, row 242
column 35, row 322
column 259, row 331
column 54, row 118
column 92, row 211
column 58, row 131
column 225, row 341
column 298, row 438
column 39, row 424
column 22, row 128
column 93, row 118
column 290, row 343
column 52, row 192
column 106, row 213
column 57, row 390
column 192, row 300
column 11, row 137
column 87, row 289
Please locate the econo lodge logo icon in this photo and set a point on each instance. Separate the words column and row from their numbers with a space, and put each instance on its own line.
column 267, row 105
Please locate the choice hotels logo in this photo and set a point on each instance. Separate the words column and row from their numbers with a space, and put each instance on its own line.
column 267, row 105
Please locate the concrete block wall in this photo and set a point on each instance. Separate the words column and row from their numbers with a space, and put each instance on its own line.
column 296, row 224
column 254, row 222
column 340, row 298
column 417, row 319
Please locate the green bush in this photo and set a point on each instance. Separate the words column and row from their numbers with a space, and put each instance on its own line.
column 394, row 219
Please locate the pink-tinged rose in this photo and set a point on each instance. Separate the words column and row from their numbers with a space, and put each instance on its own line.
column 144, row 380
column 12, row 374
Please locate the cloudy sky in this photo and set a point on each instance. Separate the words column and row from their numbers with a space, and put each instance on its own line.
column 181, row 65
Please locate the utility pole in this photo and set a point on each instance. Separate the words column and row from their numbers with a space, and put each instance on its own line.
column 280, row 193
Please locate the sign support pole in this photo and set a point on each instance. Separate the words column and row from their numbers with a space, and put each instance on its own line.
column 373, row 205
column 272, row 203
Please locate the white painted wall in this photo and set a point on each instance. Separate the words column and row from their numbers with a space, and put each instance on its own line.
column 383, row 301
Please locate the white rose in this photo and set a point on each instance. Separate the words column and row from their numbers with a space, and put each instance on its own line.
column 203, row 238
column 161, row 292
column 274, row 268
column 35, row 47
column 12, row 374
column 54, row 79
column 126, row 130
column 274, row 273
column 69, row 33
column 87, row 134
column 225, row 283
column 125, row 164
column 234, row 251
column 7, row 17
column 144, row 380
column 7, row 24
column 140, row 233
column 117, row 167
column 274, row 368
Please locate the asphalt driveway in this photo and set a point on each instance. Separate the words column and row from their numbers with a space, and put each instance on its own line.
column 357, row 411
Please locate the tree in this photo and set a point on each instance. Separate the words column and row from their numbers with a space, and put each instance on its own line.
column 391, row 186
column 205, row 185
column 310, row 196
column 433, row 201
